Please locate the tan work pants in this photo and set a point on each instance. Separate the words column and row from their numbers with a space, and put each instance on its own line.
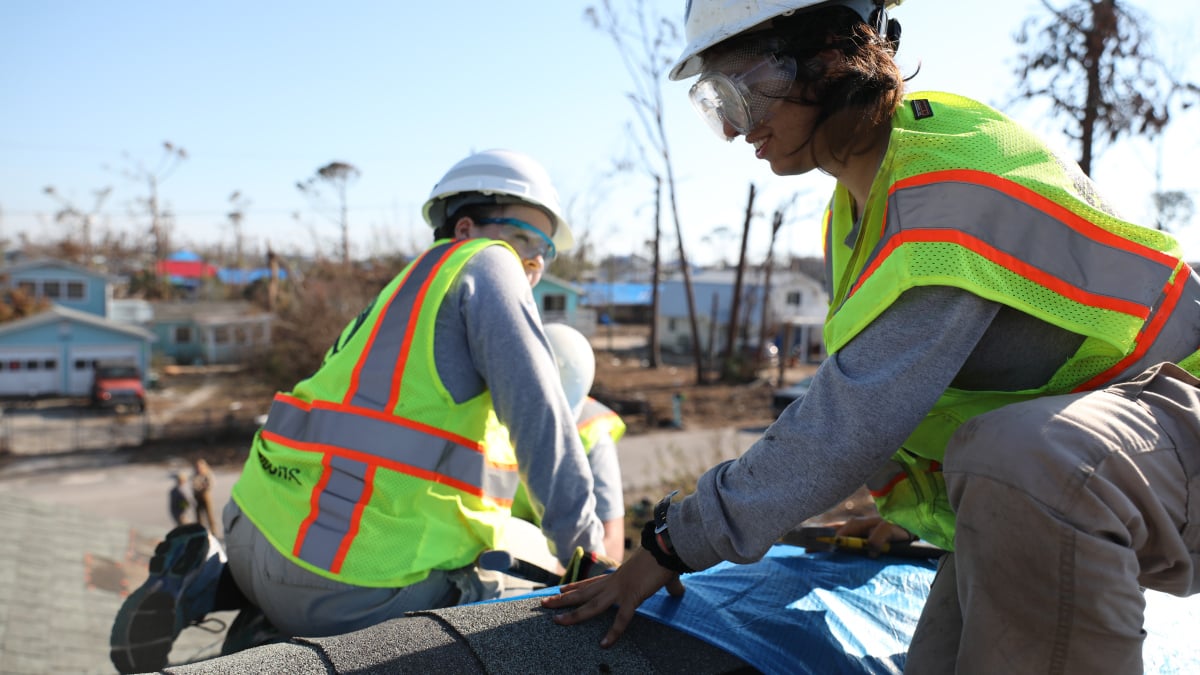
column 1067, row 507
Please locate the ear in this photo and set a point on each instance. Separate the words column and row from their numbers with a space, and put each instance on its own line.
column 462, row 228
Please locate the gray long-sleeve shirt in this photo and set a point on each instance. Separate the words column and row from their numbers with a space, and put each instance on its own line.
column 489, row 337
column 862, row 404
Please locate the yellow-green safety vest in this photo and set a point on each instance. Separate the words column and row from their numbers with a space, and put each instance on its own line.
column 965, row 197
column 368, row 472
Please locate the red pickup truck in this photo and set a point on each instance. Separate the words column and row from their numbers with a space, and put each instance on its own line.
column 118, row 385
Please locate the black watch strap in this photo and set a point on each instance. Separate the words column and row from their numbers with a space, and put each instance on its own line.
column 656, row 538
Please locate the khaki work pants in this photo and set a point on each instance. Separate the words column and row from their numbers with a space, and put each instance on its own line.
column 301, row 603
column 1066, row 507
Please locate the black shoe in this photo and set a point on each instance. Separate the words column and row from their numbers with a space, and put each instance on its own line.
column 250, row 628
column 179, row 592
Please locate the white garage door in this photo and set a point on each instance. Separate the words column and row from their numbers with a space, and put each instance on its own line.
column 29, row 371
column 82, row 358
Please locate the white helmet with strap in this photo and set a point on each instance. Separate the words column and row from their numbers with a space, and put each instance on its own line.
column 710, row 22
column 576, row 362
column 499, row 173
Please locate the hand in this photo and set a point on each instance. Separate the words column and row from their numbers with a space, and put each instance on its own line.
column 627, row 588
column 878, row 532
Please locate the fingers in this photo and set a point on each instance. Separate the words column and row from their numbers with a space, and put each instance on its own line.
column 857, row 527
column 881, row 535
column 675, row 587
column 627, row 587
column 624, row 616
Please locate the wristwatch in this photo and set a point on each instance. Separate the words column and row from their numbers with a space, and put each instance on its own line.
column 656, row 538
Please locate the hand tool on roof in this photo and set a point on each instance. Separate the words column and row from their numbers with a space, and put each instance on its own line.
column 826, row 539
column 503, row 561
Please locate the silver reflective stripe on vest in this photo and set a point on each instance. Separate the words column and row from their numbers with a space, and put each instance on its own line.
column 343, row 491
column 1043, row 241
column 381, row 365
column 1030, row 235
column 1177, row 338
column 391, row 444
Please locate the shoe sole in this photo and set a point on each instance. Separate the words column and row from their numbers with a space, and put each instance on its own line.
column 150, row 611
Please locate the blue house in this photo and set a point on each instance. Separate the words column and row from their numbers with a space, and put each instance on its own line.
column 54, row 352
column 62, row 283
column 197, row 333
column 558, row 301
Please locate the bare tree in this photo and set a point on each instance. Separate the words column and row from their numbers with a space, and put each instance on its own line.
column 1093, row 60
column 655, row 347
column 646, row 50
column 1173, row 209
column 153, row 178
column 78, row 220
column 730, row 367
column 337, row 176
column 237, row 213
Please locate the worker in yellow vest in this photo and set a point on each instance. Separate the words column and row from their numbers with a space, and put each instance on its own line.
column 1011, row 365
column 374, row 484
column 600, row 429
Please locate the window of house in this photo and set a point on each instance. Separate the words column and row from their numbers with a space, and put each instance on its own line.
column 52, row 289
column 183, row 335
column 81, row 364
column 554, row 303
column 794, row 297
column 50, row 364
column 27, row 287
column 258, row 332
column 239, row 335
column 75, row 290
column 31, row 364
column 221, row 335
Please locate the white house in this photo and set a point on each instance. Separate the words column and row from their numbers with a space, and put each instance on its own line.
column 793, row 298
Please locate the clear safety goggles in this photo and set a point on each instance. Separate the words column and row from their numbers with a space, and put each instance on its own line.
column 738, row 86
column 517, row 233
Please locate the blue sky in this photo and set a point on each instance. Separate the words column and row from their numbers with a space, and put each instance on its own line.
column 262, row 94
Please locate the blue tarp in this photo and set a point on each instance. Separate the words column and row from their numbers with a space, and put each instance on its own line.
column 827, row 613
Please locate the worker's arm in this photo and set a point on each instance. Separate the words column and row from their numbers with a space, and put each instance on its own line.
column 860, row 407
column 610, row 496
column 500, row 347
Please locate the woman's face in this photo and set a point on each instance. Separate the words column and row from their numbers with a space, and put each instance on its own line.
column 784, row 138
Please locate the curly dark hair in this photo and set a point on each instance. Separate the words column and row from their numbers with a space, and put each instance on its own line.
column 866, row 81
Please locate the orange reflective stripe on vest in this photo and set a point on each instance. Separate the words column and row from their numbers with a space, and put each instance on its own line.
column 1151, row 284
column 376, row 381
column 362, row 434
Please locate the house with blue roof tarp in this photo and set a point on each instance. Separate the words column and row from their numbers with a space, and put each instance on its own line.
column 619, row 302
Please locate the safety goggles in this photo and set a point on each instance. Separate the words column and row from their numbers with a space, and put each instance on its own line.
column 517, row 234
column 738, row 86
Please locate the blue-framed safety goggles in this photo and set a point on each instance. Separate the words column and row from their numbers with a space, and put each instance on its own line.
column 516, row 233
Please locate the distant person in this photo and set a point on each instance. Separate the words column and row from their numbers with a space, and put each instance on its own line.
column 178, row 502
column 202, row 485
column 375, row 484
column 1011, row 365
column 599, row 428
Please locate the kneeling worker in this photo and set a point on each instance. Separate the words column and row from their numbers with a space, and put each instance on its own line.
column 375, row 483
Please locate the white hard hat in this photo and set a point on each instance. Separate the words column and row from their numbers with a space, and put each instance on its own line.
column 709, row 22
column 576, row 362
column 500, row 172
